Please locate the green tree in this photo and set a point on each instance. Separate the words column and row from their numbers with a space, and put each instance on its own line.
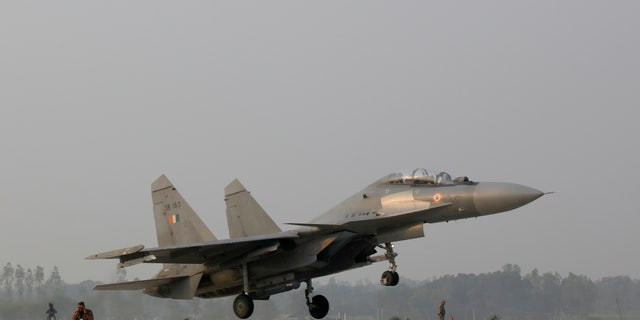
column 39, row 277
column 55, row 280
column 578, row 295
column 29, row 281
column 617, row 294
column 8, row 278
column 550, row 294
column 19, row 276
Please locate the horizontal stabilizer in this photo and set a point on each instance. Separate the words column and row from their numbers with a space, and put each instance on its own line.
column 137, row 285
column 176, row 287
column 116, row 253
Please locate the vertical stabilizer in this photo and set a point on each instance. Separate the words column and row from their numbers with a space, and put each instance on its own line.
column 245, row 216
column 176, row 222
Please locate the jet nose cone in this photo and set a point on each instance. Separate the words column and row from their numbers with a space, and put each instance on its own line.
column 495, row 197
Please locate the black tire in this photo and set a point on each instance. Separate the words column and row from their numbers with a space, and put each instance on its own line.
column 395, row 280
column 387, row 278
column 319, row 307
column 243, row 306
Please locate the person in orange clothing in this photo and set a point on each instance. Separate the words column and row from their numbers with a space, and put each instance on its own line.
column 82, row 313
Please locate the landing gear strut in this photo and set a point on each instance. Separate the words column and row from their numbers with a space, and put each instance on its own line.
column 390, row 277
column 243, row 304
column 319, row 305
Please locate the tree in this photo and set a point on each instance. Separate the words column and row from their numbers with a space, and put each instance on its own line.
column 578, row 295
column 39, row 277
column 29, row 281
column 550, row 294
column 54, row 280
column 511, row 268
column 8, row 278
column 19, row 276
column 617, row 295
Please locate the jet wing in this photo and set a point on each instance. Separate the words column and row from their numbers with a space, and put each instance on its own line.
column 390, row 216
column 138, row 284
column 216, row 252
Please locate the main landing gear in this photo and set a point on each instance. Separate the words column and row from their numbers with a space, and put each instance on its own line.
column 319, row 305
column 390, row 277
column 243, row 304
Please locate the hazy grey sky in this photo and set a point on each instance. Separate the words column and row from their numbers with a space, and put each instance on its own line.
column 307, row 103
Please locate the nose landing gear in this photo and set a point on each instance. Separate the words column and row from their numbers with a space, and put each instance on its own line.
column 390, row 277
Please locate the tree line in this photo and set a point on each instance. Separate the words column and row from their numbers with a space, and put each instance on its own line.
column 26, row 282
column 504, row 294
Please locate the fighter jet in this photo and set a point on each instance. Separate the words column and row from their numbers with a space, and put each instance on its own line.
column 260, row 260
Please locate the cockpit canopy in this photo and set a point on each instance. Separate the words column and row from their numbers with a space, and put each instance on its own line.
column 420, row 176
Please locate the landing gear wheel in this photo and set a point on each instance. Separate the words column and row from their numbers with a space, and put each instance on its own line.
column 389, row 278
column 319, row 307
column 243, row 306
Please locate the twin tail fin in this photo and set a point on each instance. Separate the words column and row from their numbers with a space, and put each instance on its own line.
column 176, row 222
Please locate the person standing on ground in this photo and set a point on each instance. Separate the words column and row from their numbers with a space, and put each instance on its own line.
column 441, row 311
column 51, row 312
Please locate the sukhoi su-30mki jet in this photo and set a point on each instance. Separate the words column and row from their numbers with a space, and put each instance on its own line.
column 260, row 260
